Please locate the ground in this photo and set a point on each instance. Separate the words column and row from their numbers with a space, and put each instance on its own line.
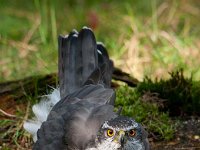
column 14, row 137
column 186, row 137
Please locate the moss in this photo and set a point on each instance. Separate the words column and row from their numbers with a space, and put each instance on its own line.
column 156, row 122
column 181, row 93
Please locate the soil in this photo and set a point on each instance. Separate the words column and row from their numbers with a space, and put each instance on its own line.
column 187, row 137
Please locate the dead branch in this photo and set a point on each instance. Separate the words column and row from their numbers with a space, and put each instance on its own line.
column 38, row 85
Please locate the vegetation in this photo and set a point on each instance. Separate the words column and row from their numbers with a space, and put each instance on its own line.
column 149, row 37
column 153, row 103
column 179, row 95
column 144, row 38
column 157, row 123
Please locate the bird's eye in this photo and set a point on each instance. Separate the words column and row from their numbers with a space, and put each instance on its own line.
column 132, row 133
column 110, row 132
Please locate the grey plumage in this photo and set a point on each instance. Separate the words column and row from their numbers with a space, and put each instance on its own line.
column 87, row 101
column 77, row 60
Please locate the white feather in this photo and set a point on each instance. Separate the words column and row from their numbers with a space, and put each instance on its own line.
column 41, row 112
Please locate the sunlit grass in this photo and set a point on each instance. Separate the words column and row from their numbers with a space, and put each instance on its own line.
column 144, row 38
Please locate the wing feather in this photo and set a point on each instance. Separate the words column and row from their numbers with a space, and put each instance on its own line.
column 86, row 97
column 77, row 117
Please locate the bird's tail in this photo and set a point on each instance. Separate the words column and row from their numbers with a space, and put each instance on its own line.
column 81, row 61
column 79, row 56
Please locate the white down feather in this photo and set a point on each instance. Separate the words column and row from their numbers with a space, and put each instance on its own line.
column 41, row 111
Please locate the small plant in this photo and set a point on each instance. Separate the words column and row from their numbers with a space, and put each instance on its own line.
column 181, row 94
column 157, row 123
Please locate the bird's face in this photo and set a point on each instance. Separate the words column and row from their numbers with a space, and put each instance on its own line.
column 121, row 133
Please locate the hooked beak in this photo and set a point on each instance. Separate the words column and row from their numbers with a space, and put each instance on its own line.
column 120, row 138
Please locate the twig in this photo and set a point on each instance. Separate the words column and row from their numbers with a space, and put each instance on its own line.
column 30, row 33
column 7, row 114
column 20, row 124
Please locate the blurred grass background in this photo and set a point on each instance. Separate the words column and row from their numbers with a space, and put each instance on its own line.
column 144, row 38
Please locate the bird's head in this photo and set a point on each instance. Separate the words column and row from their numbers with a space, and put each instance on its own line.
column 120, row 133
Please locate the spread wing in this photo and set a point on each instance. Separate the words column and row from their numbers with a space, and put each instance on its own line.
column 86, row 98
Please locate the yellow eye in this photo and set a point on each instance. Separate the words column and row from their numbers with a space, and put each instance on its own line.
column 110, row 132
column 132, row 133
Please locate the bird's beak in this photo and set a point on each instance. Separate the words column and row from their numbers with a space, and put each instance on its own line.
column 120, row 138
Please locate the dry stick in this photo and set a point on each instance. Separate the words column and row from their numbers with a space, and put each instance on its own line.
column 124, row 77
column 20, row 123
column 8, row 89
column 30, row 33
column 7, row 114
column 24, row 45
column 27, row 109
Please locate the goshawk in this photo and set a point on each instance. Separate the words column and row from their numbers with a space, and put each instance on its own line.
column 80, row 115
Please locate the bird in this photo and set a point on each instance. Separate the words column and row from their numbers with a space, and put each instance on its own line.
column 79, row 115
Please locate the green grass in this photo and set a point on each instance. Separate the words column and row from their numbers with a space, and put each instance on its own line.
column 156, row 122
column 149, row 37
column 179, row 94
column 155, row 103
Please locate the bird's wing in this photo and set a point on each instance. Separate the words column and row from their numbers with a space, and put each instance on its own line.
column 75, row 120
column 86, row 99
